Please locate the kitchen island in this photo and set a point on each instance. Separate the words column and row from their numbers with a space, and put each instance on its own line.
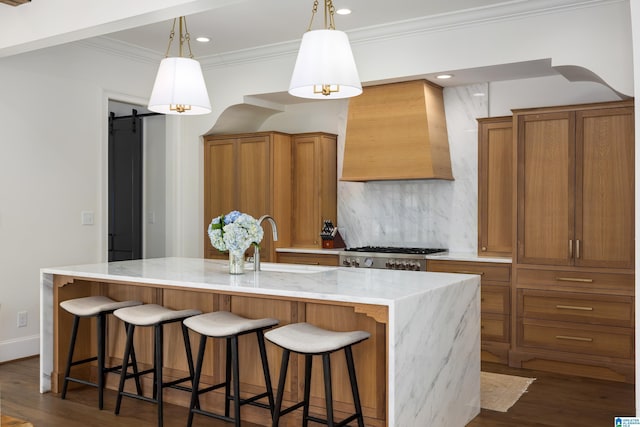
column 420, row 367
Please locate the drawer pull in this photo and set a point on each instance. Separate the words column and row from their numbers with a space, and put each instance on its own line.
column 469, row 272
column 574, row 307
column 573, row 279
column 570, row 338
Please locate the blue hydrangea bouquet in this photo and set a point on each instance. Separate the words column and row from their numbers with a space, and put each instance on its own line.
column 235, row 232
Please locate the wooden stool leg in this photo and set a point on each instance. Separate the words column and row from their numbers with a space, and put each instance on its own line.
column 326, row 367
column 354, row 385
column 101, row 332
column 125, row 363
column 72, row 345
column 308, row 364
column 283, row 377
column 265, row 369
column 195, row 394
column 236, row 379
column 158, row 347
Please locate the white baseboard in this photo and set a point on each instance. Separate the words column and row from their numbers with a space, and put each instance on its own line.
column 19, row 348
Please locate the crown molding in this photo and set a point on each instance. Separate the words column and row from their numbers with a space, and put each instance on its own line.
column 515, row 9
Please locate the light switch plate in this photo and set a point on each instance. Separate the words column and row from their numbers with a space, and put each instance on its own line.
column 86, row 217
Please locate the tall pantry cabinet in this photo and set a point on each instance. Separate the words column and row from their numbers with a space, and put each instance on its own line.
column 574, row 243
column 250, row 173
column 315, row 187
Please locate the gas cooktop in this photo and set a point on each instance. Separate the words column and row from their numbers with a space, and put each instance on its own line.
column 396, row 250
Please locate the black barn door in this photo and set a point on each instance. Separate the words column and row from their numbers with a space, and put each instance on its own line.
column 125, row 187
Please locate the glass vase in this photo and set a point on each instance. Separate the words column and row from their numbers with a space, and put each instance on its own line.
column 236, row 263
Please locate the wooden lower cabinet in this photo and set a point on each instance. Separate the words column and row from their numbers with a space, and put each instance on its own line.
column 495, row 301
column 331, row 260
column 575, row 322
column 370, row 356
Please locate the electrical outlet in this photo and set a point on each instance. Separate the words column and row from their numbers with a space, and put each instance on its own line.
column 22, row 319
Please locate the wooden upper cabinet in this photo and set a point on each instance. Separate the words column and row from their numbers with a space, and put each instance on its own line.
column 314, row 186
column 250, row 173
column 495, row 186
column 575, row 185
column 605, row 188
column 546, row 164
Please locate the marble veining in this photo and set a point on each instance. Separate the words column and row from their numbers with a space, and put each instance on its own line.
column 426, row 213
column 433, row 326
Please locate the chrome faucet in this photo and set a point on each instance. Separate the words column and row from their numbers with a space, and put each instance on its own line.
column 256, row 250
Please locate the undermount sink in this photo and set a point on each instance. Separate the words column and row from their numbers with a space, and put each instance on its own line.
column 290, row 268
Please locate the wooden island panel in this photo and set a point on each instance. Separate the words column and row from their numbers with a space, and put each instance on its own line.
column 370, row 356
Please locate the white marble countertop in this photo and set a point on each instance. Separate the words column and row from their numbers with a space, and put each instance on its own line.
column 365, row 286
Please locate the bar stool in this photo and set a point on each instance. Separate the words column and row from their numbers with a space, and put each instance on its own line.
column 98, row 307
column 223, row 324
column 311, row 340
column 156, row 316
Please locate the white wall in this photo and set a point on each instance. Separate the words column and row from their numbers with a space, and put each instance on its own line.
column 53, row 109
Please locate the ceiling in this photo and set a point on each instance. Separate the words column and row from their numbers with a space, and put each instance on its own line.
column 246, row 24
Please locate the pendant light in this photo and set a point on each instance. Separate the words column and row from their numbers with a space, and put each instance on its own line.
column 179, row 87
column 325, row 68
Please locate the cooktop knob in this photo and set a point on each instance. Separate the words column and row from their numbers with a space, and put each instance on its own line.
column 368, row 262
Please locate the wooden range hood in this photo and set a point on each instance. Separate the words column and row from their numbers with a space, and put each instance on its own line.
column 397, row 131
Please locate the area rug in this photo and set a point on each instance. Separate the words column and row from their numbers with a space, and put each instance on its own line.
column 499, row 392
column 6, row 421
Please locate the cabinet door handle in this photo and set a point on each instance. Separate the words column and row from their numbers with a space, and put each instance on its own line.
column 481, row 273
column 577, row 249
column 573, row 279
column 570, row 248
column 570, row 338
column 573, row 307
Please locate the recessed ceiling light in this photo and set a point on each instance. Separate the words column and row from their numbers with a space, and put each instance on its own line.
column 444, row 76
column 478, row 94
column 203, row 39
column 343, row 11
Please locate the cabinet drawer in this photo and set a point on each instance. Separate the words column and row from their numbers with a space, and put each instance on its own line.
column 488, row 271
column 575, row 307
column 572, row 279
column 311, row 259
column 494, row 299
column 592, row 340
column 494, row 327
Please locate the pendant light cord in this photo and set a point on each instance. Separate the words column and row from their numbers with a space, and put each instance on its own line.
column 329, row 10
column 183, row 37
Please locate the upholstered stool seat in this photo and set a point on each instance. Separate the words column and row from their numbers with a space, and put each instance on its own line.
column 98, row 307
column 156, row 316
column 310, row 341
column 223, row 324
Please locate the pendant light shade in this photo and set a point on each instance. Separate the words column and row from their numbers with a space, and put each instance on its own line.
column 179, row 88
column 325, row 67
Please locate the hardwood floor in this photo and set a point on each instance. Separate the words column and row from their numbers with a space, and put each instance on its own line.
column 552, row 400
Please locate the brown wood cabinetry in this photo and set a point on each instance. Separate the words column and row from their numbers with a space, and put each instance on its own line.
column 250, row 173
column 495, row 186
column 574, row 257
column 311, row 259
column 495, row 297
column 314, row 186
column 575, row 186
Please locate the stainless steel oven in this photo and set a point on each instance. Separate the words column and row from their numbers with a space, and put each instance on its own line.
column 388, row 257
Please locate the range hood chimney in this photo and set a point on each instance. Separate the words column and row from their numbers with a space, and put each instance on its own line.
column 397, row 131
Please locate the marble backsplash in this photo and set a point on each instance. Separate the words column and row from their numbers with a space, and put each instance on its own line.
column 422, row 213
